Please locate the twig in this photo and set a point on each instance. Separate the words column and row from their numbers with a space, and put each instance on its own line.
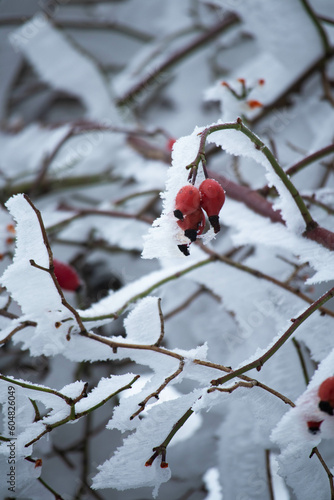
column 33, row 387
column 259, row 362
column 162, row 324
column 269, row 476
column 51, row 490
column 318, row 26
column 73, row 415
column 301, row 359
column 156, row 393
column 228, row 21
column 266, row 277
column 50, row 270
column 315, row 451
column 17, row 329
column 83, row 23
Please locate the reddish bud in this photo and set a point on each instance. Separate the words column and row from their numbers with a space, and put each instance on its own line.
column 10, row 241
column 66, row 276
column 187, row 201
column 148, row 463
column 164, row 465
column 212, row 200
column 242, row 81
column 38, row 463
column 10, row 228
column 170, row 144
column 261, row 81
column 225, row 84
column 314, row 426
column 326, row 395
column 253, row 104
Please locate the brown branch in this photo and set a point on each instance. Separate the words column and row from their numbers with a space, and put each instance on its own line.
column 296, row 322
column 50, row 270
column 162, row 325
column 201, row 40
column 269, row 476
column 261, row 275
column 17, row 329
column 316, row 452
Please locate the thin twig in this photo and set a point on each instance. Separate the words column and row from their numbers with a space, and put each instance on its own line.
column 296, row 322
column 269, row 476
column 162, row 324
column 50, row 270
column 157, row 392
column 228, row 21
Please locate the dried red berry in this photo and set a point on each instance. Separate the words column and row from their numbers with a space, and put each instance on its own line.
column 212, row 200
column 66, row 276
column 187, row 201
column 314, row 426
column 326, row 395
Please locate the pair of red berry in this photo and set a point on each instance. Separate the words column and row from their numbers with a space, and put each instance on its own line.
column 190, row 202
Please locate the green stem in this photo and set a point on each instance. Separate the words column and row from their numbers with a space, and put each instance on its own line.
column 128, row 386
column 37, row 388
column 258, row 363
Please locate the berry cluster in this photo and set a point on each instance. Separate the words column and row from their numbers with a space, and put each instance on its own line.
column 190, row 202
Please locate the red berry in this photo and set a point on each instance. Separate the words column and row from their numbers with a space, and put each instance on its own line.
column 193, row 224
column 187, row 201
column 212, row 200
column 66, row 276
column 326, row 395
column 314, row 426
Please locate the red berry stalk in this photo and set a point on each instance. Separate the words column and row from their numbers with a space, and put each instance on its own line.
column 326, row 395
column 66, row 276
column 212, row 199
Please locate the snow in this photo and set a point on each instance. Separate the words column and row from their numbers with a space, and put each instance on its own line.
column 41, row 43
